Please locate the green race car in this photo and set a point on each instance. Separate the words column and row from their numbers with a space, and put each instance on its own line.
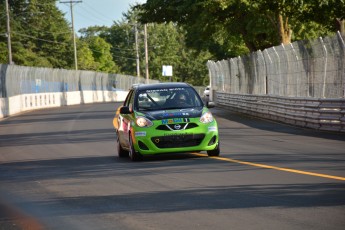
column 164, row 118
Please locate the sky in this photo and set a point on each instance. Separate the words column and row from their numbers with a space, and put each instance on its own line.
column 96, row 12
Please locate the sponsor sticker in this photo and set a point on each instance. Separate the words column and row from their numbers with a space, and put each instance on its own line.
column 212, row 129
column 175, row 114
column 172, row 121
column 140, row 134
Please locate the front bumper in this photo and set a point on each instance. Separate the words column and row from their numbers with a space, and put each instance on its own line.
column 157, row 139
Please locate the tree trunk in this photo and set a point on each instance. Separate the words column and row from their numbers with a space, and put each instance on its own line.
column 341, row 25
column 284, row 30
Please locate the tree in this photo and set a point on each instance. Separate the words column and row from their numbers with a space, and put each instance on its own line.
column 86, row 60
column 121, row 36
column 329, row 13
column 257, row 24
column 166, row 43
column 101, row 54
column 300, row 19
column 40, row 34
column 167, row 47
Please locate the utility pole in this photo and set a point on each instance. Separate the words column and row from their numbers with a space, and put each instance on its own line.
column 146, row 55
column 8, row 34
column 137, row 49
column 74, row 43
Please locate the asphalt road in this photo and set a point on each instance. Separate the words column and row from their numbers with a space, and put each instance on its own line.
column 59, row 170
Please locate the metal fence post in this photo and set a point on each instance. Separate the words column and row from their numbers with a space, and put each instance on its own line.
column 325, row 67
column 287, row 75
column 343, row 61
column 232, row 81
column 269, row 58
column 263, row 87
column 279, row 72
column 297, row 78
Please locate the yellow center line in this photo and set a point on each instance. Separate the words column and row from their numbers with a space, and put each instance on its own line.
column 276, row 168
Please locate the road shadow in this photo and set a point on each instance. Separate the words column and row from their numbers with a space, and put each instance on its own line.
column 57, row 138
column 27, row 174
column 59, row 114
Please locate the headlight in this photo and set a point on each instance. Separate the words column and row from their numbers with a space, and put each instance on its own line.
column 143, row 122
column 206, row 117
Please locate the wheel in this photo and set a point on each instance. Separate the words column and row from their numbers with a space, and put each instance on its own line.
column 215, row 152
column 134, row 155
column 120, row 151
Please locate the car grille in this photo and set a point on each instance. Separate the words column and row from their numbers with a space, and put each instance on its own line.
column 179, row 126
column 178, row 141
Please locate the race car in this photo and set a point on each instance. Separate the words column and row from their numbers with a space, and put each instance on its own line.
column 164, row 118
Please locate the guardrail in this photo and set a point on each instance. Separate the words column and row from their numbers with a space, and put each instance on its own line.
column 321, row 114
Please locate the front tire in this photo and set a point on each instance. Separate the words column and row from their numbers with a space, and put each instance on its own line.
column 133, row 155
column 215, row 152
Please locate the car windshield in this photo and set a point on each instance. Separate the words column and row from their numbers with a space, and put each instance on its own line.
column 167, row 98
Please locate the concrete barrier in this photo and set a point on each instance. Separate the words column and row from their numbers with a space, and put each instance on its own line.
column 26, row 102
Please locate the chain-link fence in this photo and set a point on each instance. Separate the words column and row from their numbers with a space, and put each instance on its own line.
column 313, row 69
column 16, row 80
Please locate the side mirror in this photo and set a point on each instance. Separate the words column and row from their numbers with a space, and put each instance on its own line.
column 210, row 104
column 125, row 110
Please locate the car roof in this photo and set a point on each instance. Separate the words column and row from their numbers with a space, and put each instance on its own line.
column 161, row 85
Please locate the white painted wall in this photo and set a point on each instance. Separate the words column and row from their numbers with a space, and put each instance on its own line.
column 26, row 102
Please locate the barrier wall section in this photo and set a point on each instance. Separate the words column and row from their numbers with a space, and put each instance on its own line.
column 27, row 88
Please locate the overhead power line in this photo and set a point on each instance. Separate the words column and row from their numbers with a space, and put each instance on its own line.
column 40, row 39
column 92, row 13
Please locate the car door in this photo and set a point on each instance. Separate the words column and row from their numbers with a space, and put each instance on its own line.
column 124, row 120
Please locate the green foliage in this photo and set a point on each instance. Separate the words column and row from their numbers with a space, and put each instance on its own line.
column 40, row 34
column 166, row 46
column 254, row 24
column 101, row 54
column 3, row 52
column 181, row 33
column 122, row 50
column 86, row 60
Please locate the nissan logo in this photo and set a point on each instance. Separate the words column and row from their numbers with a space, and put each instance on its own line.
column 177, row 126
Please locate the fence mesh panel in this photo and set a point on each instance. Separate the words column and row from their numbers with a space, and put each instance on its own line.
column 314, row 68
column 16, row 80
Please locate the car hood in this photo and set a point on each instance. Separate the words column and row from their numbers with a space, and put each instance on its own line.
column 174, row 113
